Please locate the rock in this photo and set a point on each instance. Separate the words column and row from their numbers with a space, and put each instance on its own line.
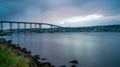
column 52, row 66
column 43, row 59
column 74, row 61
column 37, row 57
column 32, row 64
column 45, row 64
column 73, row 66
column 63, row 66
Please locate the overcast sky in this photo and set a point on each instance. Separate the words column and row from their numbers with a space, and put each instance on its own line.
column 62, row 12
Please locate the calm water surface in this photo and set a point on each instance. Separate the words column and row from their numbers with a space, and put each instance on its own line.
column 90, row 49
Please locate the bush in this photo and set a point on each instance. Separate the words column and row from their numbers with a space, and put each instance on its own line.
column 22, row 63
column 9, row 59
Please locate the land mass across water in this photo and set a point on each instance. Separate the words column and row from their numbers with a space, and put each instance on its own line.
column 104, row 28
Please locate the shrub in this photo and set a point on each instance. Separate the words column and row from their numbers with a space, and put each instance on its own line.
column 10, row 59
column 7, row 58
column 22, row 63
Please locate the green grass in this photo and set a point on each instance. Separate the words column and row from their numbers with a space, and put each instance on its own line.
column 9, row 59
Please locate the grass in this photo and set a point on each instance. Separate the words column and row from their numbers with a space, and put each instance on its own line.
column 8, row 58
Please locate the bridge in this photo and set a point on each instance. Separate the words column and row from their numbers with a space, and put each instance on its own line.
column 38, row 27
column 20, row 26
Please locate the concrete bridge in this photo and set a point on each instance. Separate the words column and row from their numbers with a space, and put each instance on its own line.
column 26, row 26
column 38, row 27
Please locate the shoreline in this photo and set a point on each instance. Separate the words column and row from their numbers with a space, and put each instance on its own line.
column 23, row 53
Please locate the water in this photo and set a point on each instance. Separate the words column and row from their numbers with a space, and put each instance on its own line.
column 90, row 49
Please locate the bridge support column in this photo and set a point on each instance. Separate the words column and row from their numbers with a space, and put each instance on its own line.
column 30, row 25
column 10, row 27
column 40, row 26
column 25, row 27
column 35, row 26
column 1, row 26
column 54, row 26
column 18, row 27
column 51, row 26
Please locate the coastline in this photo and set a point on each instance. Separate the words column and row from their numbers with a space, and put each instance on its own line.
column 24, row 57
column 23, row 53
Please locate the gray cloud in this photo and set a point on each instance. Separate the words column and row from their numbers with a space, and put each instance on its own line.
column 52, row 11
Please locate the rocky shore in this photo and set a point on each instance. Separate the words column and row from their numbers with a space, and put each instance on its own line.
column 24, row 54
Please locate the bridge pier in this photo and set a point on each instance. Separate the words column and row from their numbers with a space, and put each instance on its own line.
column 10, row 27
column 1, row 26
column 18, row 27
column 35, row 26
column 55, row 26
column 51, row 26
column 30, row 25
column 24, row 25
column 40, row 26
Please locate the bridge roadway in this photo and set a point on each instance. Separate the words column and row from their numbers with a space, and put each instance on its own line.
column 25, row 25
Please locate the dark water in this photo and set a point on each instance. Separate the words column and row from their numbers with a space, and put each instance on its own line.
column 90, row 49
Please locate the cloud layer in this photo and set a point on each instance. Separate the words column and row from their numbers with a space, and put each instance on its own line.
column 67, row 12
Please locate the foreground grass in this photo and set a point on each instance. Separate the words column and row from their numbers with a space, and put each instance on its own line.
column 8, row 58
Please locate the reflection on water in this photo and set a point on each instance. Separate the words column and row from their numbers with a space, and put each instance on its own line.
column 90, row 49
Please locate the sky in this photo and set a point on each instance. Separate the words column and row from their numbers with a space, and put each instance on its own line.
column 67, row 13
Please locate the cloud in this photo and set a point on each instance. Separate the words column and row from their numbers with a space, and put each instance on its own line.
column 64, row 11
column 90, row 20
column 81, row 18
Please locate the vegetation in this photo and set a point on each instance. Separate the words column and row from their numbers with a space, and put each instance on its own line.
column 12, row 55
column 10, row 59
column 7, row 58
